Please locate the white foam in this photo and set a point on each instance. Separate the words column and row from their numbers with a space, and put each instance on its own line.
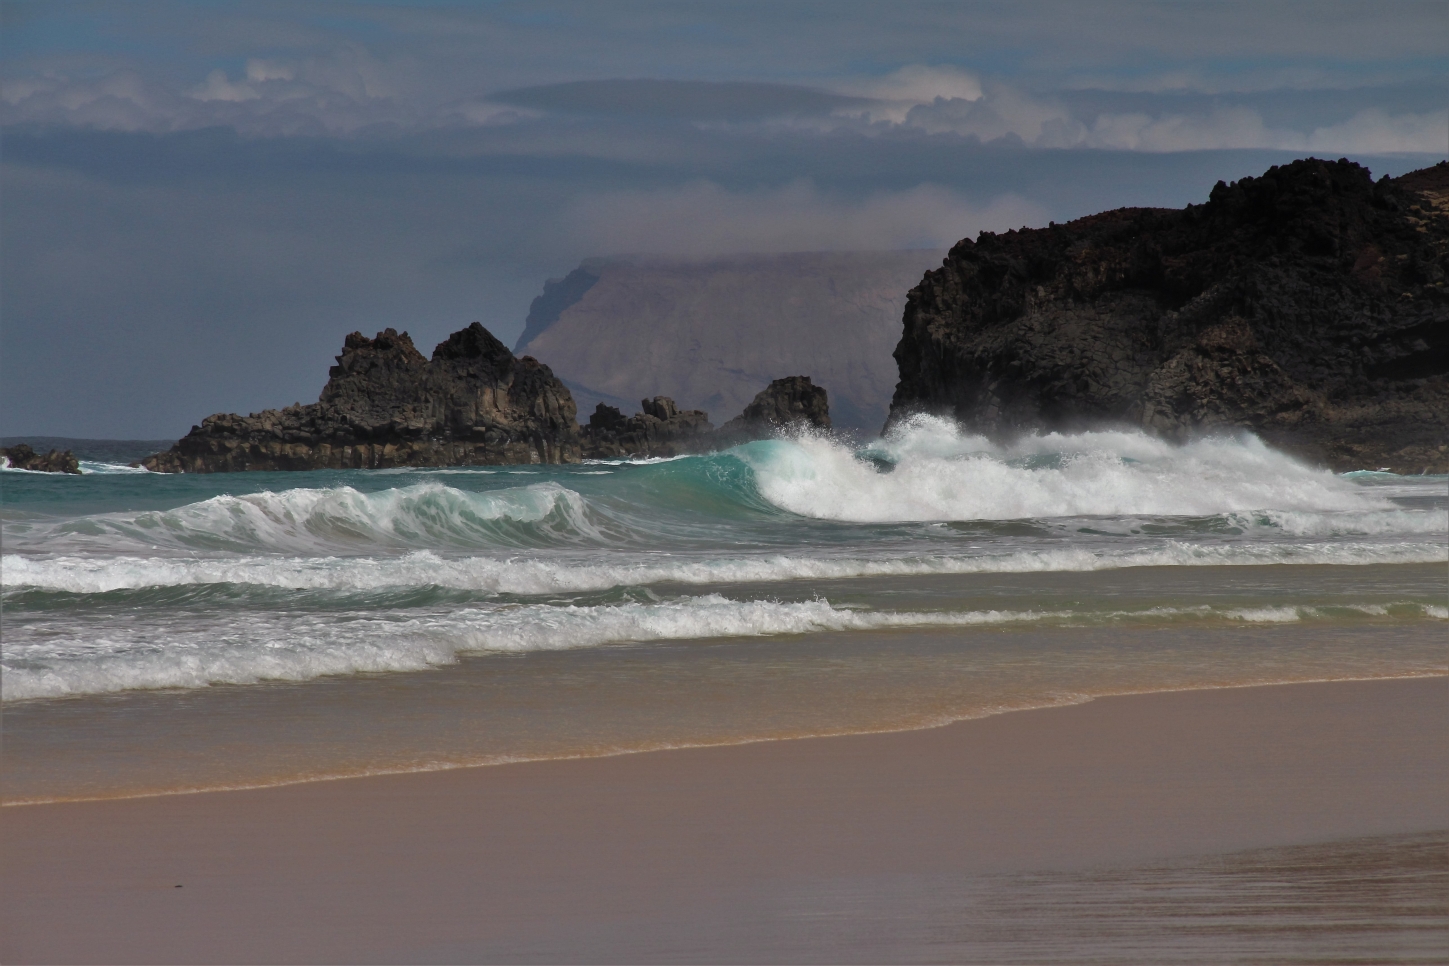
column 248, row 648
column 1349, row 523
column 98, row 468
column 942, row 474
column 323, row 520
column 96, row 574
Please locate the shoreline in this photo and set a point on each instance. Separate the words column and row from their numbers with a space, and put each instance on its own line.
column 504, row 762
column 605, row 858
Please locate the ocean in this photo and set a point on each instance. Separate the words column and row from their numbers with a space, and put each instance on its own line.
column 166, row 634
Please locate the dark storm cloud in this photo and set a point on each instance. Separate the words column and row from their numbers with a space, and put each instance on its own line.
column 201, row 200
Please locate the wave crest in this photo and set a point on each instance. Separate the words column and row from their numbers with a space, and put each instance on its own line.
column 289, row 647
column 333, row 519
column 936, row 472
column 82, row 574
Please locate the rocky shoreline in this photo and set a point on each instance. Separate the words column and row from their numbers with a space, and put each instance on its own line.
column 1307, row 306
column 387, row 405
column 473, row 403
column 22, row 457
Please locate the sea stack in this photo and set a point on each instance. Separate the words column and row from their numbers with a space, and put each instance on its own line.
column 791, row 402
column 1307, row 305
column 663, row 429
column 23, row 457
column 387, row 405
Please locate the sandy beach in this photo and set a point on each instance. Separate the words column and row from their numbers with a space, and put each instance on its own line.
column 752, row 852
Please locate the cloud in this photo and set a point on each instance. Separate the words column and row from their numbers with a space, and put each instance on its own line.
column 1000, row 111
column 1376, row 130
column 1005, row 112
column 681, row 100
column 218, row 88
column 893, row 95
column 703, row 218
column 1367, row 132
column 340, row 92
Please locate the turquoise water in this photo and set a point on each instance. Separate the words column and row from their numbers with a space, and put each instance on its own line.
column 328, row 623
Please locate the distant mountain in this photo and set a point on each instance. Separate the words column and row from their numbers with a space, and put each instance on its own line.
column 711, row 332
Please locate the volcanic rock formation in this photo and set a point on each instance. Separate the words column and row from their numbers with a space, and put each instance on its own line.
column 1307, row 305
column 387, row 405
column 662, row 429
column 22, row 457
column 793, row 401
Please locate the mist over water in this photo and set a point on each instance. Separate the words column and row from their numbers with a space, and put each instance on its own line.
column 119, row 583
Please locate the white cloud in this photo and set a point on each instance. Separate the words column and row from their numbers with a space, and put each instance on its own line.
column 1227, row 128
column 896, row 93
column 704, row 218
column 219, row 88
column 1004, row 111
column 260, row 71
column 1374, row 130
column 348, row 89
column 1367, row 132
column 338, row 92
column 121, row 101
column 1000, row 111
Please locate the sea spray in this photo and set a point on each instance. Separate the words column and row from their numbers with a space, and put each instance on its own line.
column 937, row 473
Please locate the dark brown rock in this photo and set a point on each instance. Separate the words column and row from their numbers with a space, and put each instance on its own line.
column 1307, row 305
column 386, row 405
column 793, row 401
column 22, row 457
column 660, row 430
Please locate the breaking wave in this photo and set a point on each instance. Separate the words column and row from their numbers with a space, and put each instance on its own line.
column 337, row 519
column 533, row 576
column 114, row 581
column 935, row 472
column 769, row 494
column 259, row 647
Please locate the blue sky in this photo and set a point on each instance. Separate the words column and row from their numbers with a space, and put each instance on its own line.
column 201, row 199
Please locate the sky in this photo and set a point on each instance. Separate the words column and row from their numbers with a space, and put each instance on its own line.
column 199, row 200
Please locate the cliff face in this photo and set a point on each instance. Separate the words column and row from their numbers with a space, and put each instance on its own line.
column 1307, row 305
column 709, row 333
column 387, row 405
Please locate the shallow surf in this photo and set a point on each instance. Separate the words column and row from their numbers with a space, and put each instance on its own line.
column 131, row 591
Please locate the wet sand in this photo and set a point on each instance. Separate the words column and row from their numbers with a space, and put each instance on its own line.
column 756, row 852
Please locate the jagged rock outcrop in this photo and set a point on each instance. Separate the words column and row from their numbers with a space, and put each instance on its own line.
column 1307, row 305
column 387, row 405
column 662, row 429
column 787, row 402
column 22, row 457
